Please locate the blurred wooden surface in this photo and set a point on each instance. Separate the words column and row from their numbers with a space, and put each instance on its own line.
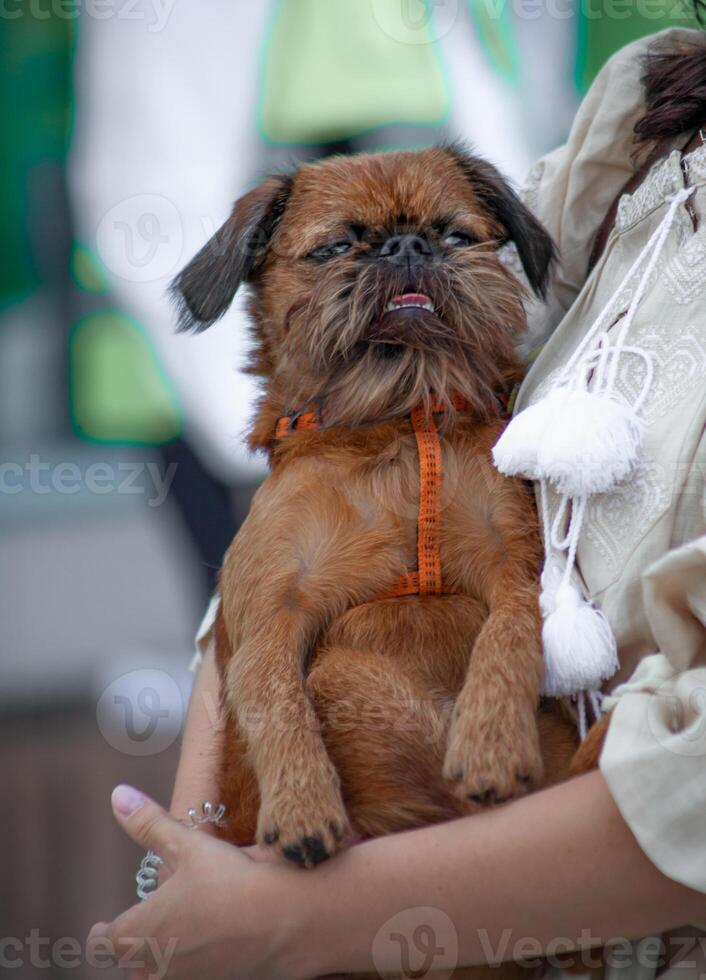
column 64, row 863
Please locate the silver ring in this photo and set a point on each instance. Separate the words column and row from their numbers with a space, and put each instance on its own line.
column 147, row 877
column 209, row 814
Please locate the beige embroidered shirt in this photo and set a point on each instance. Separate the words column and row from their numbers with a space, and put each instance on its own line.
column 642, row 553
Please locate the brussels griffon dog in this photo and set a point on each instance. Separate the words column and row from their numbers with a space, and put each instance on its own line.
column 378, row 636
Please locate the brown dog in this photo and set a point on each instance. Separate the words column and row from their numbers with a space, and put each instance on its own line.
column 381, row 307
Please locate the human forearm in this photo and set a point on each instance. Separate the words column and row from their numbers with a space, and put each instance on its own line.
column 201, row 743
column 546, row 867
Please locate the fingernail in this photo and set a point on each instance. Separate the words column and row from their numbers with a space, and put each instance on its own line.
column 98, row 931
column 98, row 936
column 127, row 799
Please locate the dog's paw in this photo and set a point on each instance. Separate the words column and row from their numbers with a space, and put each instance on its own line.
column 304, row 827
column 493, row 751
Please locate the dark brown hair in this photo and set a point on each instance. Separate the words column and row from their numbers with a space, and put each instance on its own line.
column 675, row 89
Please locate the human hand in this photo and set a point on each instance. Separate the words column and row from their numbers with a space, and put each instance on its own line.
column 220, row 911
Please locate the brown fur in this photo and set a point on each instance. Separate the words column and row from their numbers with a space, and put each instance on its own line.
column 589, row 752
column 347, row 714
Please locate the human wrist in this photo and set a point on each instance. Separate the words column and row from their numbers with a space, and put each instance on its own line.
column 330, row 917
column 285, row 896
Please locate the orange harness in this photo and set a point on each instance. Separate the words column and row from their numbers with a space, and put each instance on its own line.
column 426, row 578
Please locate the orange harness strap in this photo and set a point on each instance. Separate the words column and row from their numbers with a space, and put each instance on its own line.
column 426, row 579
column 291, row 423
column 429, row 516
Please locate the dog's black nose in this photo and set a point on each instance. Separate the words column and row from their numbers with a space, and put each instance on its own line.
column 406, row 250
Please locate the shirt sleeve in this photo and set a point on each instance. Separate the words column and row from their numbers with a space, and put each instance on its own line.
column 654, row 758
column 204, row 634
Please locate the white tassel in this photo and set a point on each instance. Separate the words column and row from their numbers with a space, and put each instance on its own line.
column 515, row 452
column 579, row 646
column 582, row 442
column 592, row 445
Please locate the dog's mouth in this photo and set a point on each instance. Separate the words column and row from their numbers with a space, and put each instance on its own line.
column 407, row 321
column 409, row 301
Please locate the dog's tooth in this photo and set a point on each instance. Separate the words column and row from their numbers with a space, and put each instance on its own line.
column 409, row 306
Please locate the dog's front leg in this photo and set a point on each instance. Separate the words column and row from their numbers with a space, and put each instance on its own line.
column 300, row 559
column 493, row 750
column 301, row 811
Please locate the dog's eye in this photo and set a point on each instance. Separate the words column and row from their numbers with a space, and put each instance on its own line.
column 457, row 238
column 330, row 249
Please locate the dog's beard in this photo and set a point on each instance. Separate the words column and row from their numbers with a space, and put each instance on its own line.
column 366, row 364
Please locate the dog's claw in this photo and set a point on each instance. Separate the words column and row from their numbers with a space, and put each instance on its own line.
column 309, row 852
column 315, row 850
column 489, row 771
column 305, row 839
column 488, row 797
column 294, row 853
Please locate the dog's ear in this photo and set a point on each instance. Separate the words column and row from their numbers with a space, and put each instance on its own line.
column 204, row 290
column 533, row 242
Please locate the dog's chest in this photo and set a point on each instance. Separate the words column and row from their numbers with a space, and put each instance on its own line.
column 395, row 490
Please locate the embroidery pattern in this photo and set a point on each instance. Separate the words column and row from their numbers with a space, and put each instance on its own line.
column 685, row 275
column 617, row 520
column 679, row 359
column 696, row 164
column 664, row 179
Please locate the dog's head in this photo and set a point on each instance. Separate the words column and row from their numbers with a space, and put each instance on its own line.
column 375, row 281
